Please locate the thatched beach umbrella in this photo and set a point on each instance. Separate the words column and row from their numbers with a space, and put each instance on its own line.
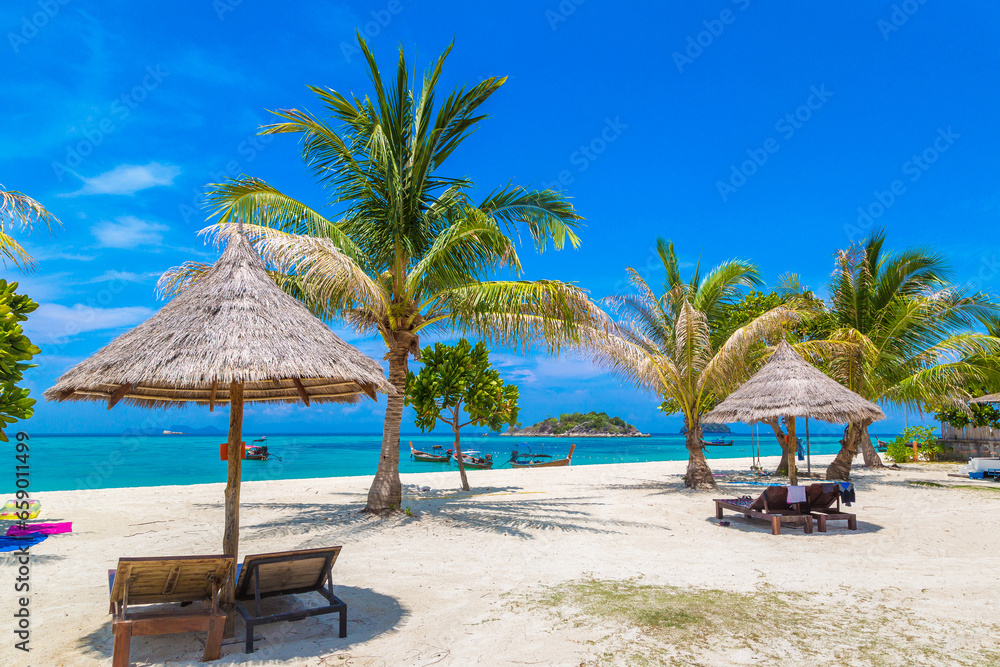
column 988, row 398
column 789, row 386
column 231, row 337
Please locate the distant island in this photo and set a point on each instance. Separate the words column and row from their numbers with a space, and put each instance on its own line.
column 579, row 425
column 709, row 428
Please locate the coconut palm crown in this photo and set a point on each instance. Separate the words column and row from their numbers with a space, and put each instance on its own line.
column 664, row 343
column 902, row 335
column 18, row 210
column 412, row 252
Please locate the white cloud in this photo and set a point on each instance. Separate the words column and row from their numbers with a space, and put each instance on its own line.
column 44, row 253
column 55, row 323
column 127, row 179
column 123, row 276
column 128, row 232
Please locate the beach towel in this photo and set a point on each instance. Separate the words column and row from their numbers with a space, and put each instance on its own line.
column 796, row 494
column 10, row 511
column 16, row 543
column 40, row 528
column 847, row 493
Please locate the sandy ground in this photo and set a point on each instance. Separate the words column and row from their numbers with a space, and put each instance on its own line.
column 454, row 583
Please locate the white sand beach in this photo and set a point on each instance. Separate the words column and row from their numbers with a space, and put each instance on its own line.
column 493, row 576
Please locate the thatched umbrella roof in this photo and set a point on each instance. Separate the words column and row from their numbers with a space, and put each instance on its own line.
column 989, row 398
column 232, row 325
column 788, row 385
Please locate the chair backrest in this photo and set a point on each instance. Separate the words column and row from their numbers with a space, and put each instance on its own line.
column 169, row 579
column 776, row 498
column 822, row 496
column 285, row 572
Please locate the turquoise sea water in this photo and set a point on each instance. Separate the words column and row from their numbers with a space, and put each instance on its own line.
column 73, row 462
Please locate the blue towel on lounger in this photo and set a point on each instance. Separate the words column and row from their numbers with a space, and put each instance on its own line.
column 15, row 543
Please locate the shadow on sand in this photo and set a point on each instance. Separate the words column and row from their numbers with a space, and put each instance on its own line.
column 504, row 510
column 369, row 614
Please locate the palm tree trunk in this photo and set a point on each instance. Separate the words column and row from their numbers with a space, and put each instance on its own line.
column 868, row 451
column 840, row 469
column 779, row 435
column 386, row 492
column 458, row 456
column 699, row 474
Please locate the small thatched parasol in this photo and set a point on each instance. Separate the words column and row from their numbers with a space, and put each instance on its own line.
column 789, row 386
column 231, row 337
column 989, row 398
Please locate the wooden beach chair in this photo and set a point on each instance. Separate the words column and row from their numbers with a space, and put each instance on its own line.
column 822, row 506
column 152, row 581
column 771, row 506
column 288, row 573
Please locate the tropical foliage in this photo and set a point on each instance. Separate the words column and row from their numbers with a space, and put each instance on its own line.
column 412, row 252
column 19, row 211
column 455, row 378
column 929, row 446
column 902, row 335
column 15, row 351
column 590, row 421
column 668, row 342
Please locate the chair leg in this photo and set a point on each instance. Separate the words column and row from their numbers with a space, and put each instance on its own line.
column 822, row 523
column 809, row 525
column 123, row 642
column 249, row 646
column 852, row 523
column 343, row 623
column 213, row 645
column 718, row 511
column 776, row 525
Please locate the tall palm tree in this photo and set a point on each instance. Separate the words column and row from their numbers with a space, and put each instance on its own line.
column 675, row 344
column 21, row 211
column 412, row 253
column 902, row 335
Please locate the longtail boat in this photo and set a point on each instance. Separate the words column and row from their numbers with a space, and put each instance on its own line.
column 524, row 460
column 427, row 457
column 716, row 443
column 476, row 461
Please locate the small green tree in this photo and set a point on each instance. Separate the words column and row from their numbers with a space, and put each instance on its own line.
column 455, row 377
column 15, row 350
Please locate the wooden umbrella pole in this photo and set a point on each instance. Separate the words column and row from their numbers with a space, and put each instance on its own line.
column 809, row 469
column 231, row 537
column 790, row 449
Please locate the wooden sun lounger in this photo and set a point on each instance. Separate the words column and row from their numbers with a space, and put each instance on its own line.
column 769, row 506
column 822, row 506
column 150, row 581
column 288, row 573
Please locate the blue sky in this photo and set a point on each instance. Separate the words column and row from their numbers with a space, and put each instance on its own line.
column 735, row 128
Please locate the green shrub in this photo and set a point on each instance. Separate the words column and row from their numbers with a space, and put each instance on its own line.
column 929, row 447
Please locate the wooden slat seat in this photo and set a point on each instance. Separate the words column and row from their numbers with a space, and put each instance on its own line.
column 770, row 506
column 288, row 573
column 158, row 580
column 825, row 506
